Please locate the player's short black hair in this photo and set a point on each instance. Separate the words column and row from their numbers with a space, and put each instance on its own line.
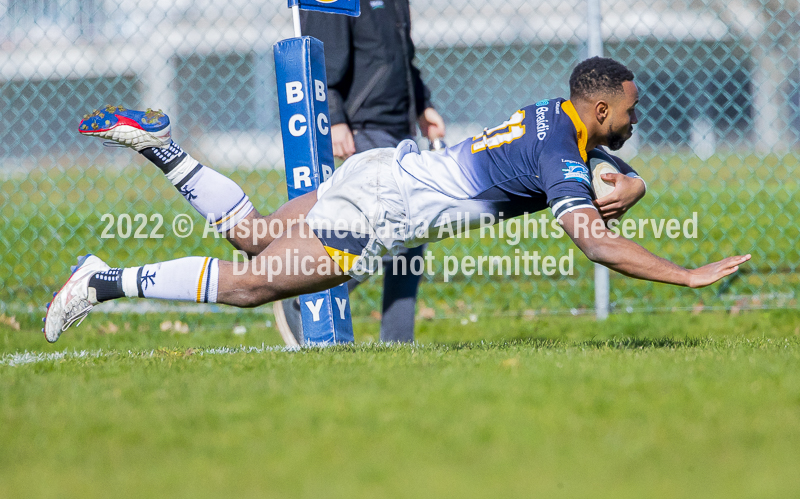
column 598, row 75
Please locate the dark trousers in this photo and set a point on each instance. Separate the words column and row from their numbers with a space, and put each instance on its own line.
column 399, row 291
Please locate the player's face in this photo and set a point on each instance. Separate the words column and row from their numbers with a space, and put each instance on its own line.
column 622, row 116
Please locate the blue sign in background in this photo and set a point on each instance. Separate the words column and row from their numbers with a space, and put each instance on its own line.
column 347, row 7
column 308, row 152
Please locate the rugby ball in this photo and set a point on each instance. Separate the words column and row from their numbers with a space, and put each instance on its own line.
column 600, row 163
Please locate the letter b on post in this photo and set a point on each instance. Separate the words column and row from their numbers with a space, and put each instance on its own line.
column 294, row 92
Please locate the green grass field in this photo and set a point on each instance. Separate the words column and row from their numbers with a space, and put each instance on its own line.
column 664, row 405
column 504, row 396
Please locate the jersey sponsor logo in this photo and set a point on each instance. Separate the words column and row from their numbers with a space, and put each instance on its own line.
column 543, row 102
column 575, row 171
column 376, row 4
column 542, row 125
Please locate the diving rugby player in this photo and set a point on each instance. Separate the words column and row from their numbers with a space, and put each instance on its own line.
column 384, row 199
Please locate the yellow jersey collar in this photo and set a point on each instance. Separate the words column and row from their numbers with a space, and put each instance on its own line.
column 583, row 134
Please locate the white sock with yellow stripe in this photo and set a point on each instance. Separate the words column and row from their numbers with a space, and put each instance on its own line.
column 194, row 278
column 217, row 198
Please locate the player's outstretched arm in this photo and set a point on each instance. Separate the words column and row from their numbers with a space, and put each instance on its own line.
column 602, row 246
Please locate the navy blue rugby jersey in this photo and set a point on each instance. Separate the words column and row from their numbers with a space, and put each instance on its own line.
column 535, row 159
column 529, row 161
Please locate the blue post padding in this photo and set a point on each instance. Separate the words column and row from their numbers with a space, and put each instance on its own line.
column 326, row 317
column 308, row 152
column 346, row 7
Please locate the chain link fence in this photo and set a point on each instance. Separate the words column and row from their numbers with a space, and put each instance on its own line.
column 719, row 119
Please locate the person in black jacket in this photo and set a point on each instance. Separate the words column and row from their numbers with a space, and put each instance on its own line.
column 376, row 98
column 373, row 84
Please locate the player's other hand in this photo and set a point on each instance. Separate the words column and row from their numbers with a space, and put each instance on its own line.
column 713, row 272
column 342, row 138
column 627, row 192
column 431, row 124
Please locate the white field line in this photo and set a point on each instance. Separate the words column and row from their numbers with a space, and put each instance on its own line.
column 18, row 359
column 24, row 358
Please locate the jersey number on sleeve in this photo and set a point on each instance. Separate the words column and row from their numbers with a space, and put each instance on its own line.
column 509, row 131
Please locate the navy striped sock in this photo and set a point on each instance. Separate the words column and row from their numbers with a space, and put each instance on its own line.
column 165, row 158
column 107, row 284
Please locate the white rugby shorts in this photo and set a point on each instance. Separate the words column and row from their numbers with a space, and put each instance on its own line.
column 360, row 215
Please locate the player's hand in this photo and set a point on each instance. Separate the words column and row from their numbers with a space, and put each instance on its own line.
column 431, row 124
column 627, row 192
column 342, row 138
column 713, row 272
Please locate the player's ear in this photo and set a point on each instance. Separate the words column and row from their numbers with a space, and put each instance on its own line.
column 601, row 111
